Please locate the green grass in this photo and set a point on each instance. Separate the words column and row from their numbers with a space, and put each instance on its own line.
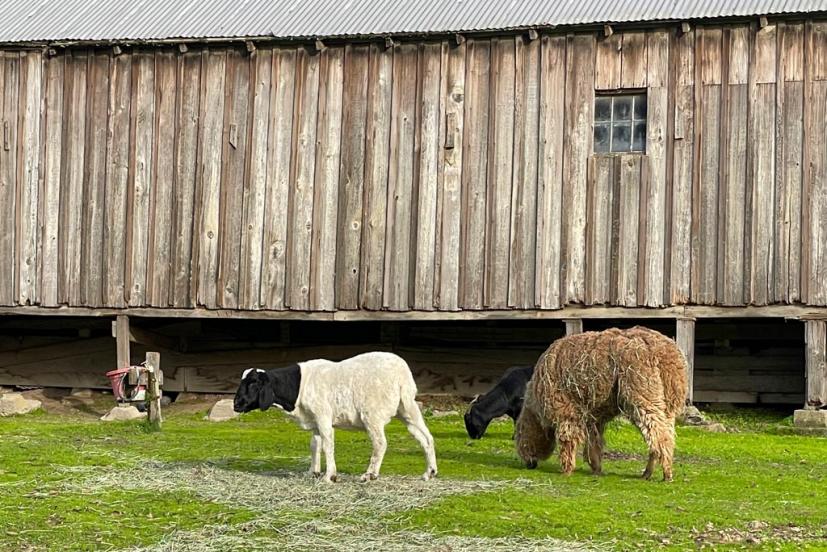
column 725, row 484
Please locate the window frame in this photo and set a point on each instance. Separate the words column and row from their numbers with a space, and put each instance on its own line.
column 635, row 94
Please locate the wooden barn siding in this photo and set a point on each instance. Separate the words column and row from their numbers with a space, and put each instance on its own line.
column 426, row 176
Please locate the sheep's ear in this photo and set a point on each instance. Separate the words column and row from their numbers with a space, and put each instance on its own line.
column 266, row 396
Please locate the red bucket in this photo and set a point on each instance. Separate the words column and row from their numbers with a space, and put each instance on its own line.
column 117, row 378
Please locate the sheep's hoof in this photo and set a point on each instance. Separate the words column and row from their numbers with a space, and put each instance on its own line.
column 316, row 474
column 667, row 478
column 647, row 475
column 330, row 478
column 430, row 474
column 369, row 477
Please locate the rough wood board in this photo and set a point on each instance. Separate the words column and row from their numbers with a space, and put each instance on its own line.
column 550, row 172
column 117, row 176
column 764, row 55
column 791, row 45
column 279, row 148
column 708, row 54
column 51, row 174
column 685, row 338
column 788, row 222
column 400, row 180
column 141, row 175
column 816, row 210
column 450, row 208
column 72, row 178
column 427, row 181
column 599, row 227
column 188, row 107
column 474, row 173
column 352, row 176
column 705, row 252
column 302, row 173
column 500, row 173
column 762, row 112
column 818, row 53
column 732, row 243
column 739, row 54
column 633, row 60
column 377, row 148
column 815, row 336
column 523, row 247
column 576, row 149
column 7, row 180
column 326, row 188
column 209, row 155
column 629, row 171
column 607, row 74
column 656, row 145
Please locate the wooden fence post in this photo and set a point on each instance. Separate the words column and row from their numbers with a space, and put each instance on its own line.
column 154, row 380
column 815, row 337
column 574, row 326
column 685, row 337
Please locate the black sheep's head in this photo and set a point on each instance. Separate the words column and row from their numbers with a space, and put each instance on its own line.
column 254, row 391
column 475, row 423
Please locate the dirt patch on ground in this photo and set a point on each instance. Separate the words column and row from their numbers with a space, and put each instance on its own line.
column 755, row 533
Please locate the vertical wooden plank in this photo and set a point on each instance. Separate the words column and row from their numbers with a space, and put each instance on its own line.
column 185, row 176
column 684, row 145
column 161, row 217
column 523, row 249
column 817, row 58
column 628, row 172
column 685, row 337
column 599, row 229
column 352, row 176
column 51, row 174
column 762, row 143
column 117, row 175
column 550, row 177
column 8, row 100
column 426, row 183
column 608, row 65
column 140, row 191
column 474, row 174
column 94, row 189
column 302, row 167
column 577, row 148
column 326, row 188
column 449, row 210
column 815, row 338
column 71, row 199
column 400, row 180
column 500, row 173
column 29, row 178
column 377, row 150
column 815, row 206
column 706, row 169
column 656, row 134
column 633, row 60
column 122, row 341
column 573, row 326
column 279, row 169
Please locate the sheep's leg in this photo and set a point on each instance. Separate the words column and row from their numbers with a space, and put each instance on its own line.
column 594, row 446
column 376, row 432
column 571, row 435
column 326, row 438
column 409, row 413
column 315, row 455
column 659, row 437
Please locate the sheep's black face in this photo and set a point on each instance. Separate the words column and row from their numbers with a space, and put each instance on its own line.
column 249, row 391
column 475, row 425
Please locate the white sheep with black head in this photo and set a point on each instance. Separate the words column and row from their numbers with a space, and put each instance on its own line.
column 363, row 392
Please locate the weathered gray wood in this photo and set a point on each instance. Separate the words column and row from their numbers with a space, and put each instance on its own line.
column 400, row 179
column 141, row 175
column 815, row 226
column 500, row 173
column 209, row 155
column 523, row 247
column 450, row 209
column 608, row 69
column 117, row 173
column 576, row 149
column 326, row 187
column 185, row 176
column 302, row 167
column 789, row 216
column 377, row 148
column 352, row 176
column 732, row 244
column 122, row 341
column 815, row 337
column 153, row 390
column 8, row 101
column 633, row 60
column 274, row 270
column 474, row 173
column 550, row 175
column 629, row 172
column 53, row 159
column 426, row 183
column 29, row 179
column 574, row 326
column 685, row 337
column 599, row 227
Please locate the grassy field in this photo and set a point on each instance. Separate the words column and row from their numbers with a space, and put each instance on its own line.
column 78, row 484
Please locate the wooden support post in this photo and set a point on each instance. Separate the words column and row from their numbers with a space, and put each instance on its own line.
column 815, row 337
column 685, row 336
column 122, row 340
column 574, row 326
column 154, row 379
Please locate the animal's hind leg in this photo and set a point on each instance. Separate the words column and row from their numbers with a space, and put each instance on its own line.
column 594, row 446
column 570, row 434
column 315, row 454
column 659, row 435
column 409, row 413
column 376, row 432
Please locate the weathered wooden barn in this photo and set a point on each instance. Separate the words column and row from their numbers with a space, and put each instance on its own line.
column 247, row 182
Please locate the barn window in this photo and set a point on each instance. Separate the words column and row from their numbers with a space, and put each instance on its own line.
column 620, row 123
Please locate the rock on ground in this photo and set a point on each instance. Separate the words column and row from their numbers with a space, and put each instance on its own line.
column 692, row 416
column 222, row 411
column 810, row 419
column 15, row 403
column 122, row 414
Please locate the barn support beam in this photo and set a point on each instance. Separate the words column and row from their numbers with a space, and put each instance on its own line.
column 814, row 414
column 122, row 340
column 574, row 326
column 685, row 337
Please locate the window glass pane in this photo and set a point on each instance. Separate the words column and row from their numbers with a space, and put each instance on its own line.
column 640, row 106
column 621, row 137
column 602, row 109
column 601, row 138
column 622, row 108
column 639, row 137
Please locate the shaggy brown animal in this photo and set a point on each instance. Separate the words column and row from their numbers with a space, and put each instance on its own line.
column 583, row 381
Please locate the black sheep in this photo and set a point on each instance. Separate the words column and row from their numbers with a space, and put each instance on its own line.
column 506, row 397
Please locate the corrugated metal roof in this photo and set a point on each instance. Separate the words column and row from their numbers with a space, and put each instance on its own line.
column 102, row 20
